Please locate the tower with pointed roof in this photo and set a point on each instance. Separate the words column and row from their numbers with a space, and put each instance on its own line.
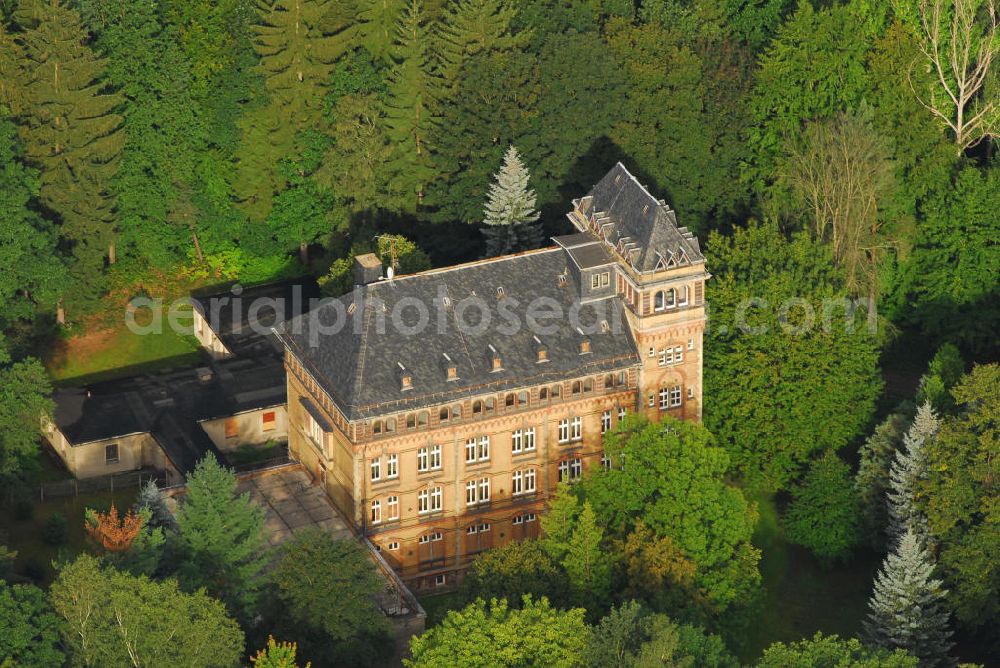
column 660, row 277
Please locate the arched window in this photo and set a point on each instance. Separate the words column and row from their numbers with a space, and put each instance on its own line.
column 456, row 412
column 543, row 394
column 671, row 298
column 684, row 297
column 490, row 403
column 422, row 418
column 390, row 425
column 411, row 420
column 658, row 301
column 477, row 407
column 509, row 399
column 609, row 380
column 443, row 414
column 577, row 386
column 522, row 398
column 556, row 391
column 588, row 385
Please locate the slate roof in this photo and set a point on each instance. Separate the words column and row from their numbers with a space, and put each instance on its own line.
column 586, row 251
column 361, row 365
column 169, row 405
column 627, row 212
column 275, row 303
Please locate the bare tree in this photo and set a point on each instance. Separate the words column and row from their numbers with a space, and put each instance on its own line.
column 959, row 41
column 838, row 171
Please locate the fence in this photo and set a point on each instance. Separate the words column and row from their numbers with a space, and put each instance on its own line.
column 108, row 483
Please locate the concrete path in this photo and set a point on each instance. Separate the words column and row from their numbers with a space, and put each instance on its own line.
column 293, row 503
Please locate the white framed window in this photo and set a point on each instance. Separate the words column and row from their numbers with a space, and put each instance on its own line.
column 522, row 519
column 393, row 545
column 683, row 300
column 679, row 355
column 470, row 450
column 392, row 507
column 605, row 462
column 437, row 497
column 516, row 441
column 576, row 429
column 477, row 491
column 518, row 519
column 662, row 359
column 530, row 517
column 564, row 431
column 314, row 429
column 484, row 448
column 664, row 398
column 423, row 501
column 423, row 459
column 652, row 351
column 671, row 295
column 529, row 439
column 690, row 344
column 690, row 392
column 523, row 482
column 652, row 400
column 440, row 580
column 392, row 466
column 595, row 281
column 430, row 537
column 563, row 471
column 622, row 412
column 605, row 422
column 376, row 469
column 675, row 395
column 575, row 468
column 435, row 457
column 376, row 515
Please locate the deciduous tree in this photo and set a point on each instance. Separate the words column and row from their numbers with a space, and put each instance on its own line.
column 114, row 619
column 31, row 630
column 823, row 651
column 482, row 635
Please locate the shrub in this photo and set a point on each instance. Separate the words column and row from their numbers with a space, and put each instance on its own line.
column 54, row 530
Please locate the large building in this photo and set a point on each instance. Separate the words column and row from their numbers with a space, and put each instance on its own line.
column 440, row 410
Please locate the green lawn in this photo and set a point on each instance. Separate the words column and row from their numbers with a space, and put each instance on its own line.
column 34, row 554
column 116, row 351
column 801, row 597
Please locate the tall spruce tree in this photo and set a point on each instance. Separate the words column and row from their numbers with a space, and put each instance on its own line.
column 871, row 482
column 511, row 221
column 298, row 42
column 33, row 275
column 588, row 569
column 73, row 135
column 906, row 610
column 221, row 538
column 471, row 27
column 165, row 136
column 377, row 22
column 908, row 469
column 11, row 71
column 411, row 109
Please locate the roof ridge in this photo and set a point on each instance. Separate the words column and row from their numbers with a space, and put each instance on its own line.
column 465, row 265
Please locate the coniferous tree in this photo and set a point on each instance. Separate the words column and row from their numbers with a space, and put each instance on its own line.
column 11, row 71
column 471, row 27
column 165, row 136
column 298, row 43
column 151, row 498
column 588, row 569
column 377, row 26
column 871, row 482
column 906, row 610
column 33, row 275
column 411, row 109
column 221, row 538
column 511, row 221
column 908, row 469
column 72, row 133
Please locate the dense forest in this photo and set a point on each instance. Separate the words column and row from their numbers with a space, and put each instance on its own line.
column 827, row 150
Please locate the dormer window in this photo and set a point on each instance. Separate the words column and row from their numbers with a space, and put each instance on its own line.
column 541, row 351
column 584, row 346
column 405, row 378
column 562, row 280
column 683, row 301
column 500, row 292
column 671, row 296
column 496, row 364
column 451, row 369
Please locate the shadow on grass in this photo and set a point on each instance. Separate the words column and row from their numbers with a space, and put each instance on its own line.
column 802, row 597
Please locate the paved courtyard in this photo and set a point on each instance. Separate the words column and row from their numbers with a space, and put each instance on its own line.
column 293, row 503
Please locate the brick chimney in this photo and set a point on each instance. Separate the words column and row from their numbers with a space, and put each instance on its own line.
column 367, row 269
